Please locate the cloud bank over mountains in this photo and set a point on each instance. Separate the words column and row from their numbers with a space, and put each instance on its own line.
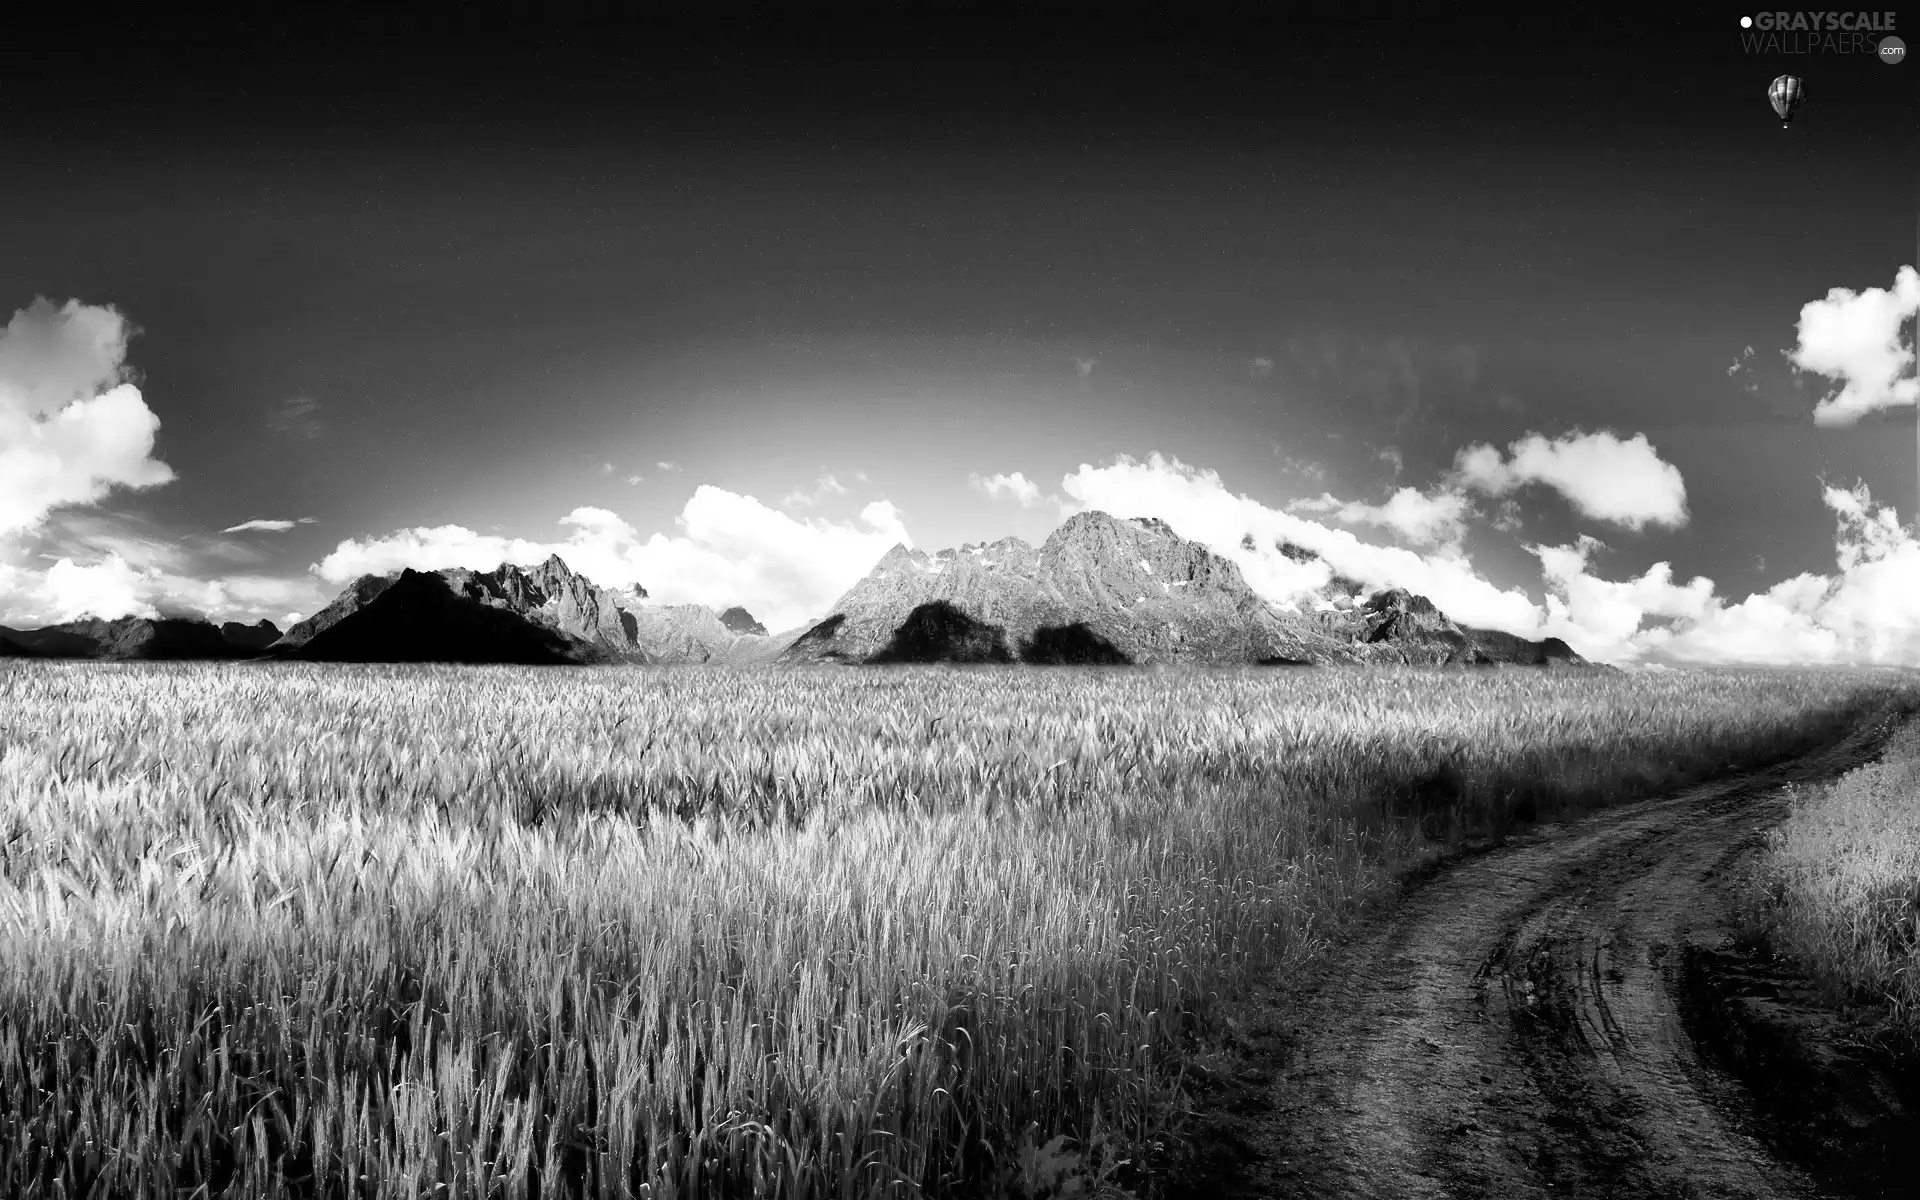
column 75, row 428
column 1861, row 613
column 733, row 550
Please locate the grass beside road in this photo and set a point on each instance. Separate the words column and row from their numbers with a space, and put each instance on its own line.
column 379, row 931
column 1840, row 884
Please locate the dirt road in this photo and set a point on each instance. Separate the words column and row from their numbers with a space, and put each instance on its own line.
column 1519, row 1025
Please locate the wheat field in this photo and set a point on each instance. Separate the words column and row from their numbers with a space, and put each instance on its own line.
column 469, row 932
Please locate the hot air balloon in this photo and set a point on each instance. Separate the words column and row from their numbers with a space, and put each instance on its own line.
column 1787, row 94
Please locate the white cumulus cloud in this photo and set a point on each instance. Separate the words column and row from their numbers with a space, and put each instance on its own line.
column 71, row 428
column 1424, row 520
column 432, row 548
column 1606, row 618
column 1016, row 486
column 1860, row 614
column 112, row 587
column 1854, row 337
column 1625, row 482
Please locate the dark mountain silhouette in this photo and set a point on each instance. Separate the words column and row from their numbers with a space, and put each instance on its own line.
column 1102, row 589
column 939, row 632
column 52, row 641
column 550, row 595
column 739, row 620
column 257, row 636
column 124, row 638
column 351, row 599
column 1075, row 644
column 420, row 617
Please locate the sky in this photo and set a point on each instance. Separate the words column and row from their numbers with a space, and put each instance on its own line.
column 1546, row 318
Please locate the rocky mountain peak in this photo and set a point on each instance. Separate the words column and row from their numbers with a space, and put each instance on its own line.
column 1156, row 526
column 1094, row 527
column 900, row 558
column 552, row 576
column 1397, row 615
column 1400, row 601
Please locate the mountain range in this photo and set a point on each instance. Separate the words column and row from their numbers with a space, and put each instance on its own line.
column 138, row 638
column 1103, row 589
column 1100, row 589
column 544, row 614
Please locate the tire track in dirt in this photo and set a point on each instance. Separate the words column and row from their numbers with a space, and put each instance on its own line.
column 1514, row 1027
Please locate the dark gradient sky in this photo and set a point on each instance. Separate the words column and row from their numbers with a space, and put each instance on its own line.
column 767, row 248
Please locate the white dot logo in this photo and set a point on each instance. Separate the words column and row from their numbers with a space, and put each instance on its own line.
column 1892, row 50
column 1746, row 22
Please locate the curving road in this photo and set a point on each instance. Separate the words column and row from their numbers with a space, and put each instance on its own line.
column 1514, row 1028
